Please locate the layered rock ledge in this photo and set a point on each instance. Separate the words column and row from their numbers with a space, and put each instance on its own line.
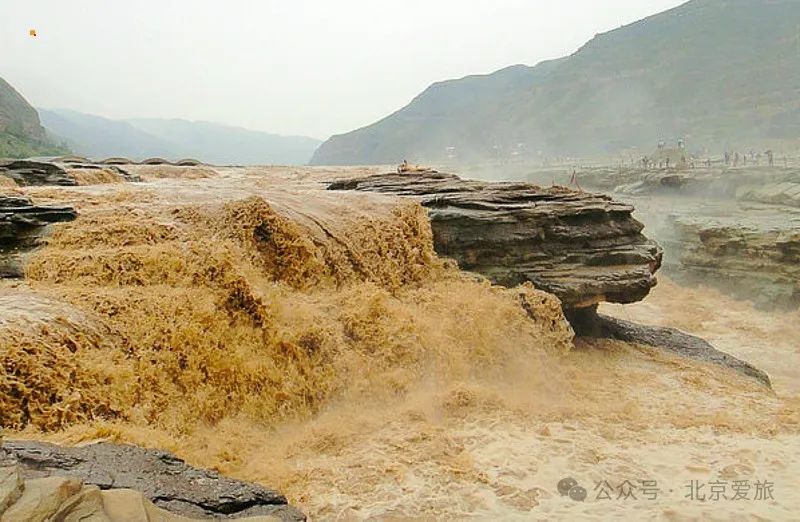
column 22, row 225
column 109, row 482
column 26, row 172
column 584, row 248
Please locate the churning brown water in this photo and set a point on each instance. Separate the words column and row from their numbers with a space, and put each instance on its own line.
column 251, row 322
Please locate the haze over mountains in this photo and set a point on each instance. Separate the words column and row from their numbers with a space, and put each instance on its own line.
column 21, row 132
column 98, row 137
column 718, row 73
column 24, row 132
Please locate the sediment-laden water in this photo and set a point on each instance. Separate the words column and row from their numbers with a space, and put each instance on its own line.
column 312, row 341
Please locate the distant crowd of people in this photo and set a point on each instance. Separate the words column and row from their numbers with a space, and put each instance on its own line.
column 754, row 158
column 666, row 158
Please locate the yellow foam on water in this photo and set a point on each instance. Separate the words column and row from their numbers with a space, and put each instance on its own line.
column 234, row 308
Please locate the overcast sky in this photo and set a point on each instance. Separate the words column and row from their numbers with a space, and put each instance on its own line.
column 305, row 67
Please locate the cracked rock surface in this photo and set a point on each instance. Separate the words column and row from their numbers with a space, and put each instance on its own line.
column 40, row 481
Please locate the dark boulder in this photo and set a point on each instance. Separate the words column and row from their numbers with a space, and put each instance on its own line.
column 588, row 323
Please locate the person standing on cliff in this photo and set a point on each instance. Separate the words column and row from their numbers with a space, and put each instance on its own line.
column 574, row 180
column 403, row 167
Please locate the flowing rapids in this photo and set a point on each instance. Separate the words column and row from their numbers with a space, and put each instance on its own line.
column 256, row 324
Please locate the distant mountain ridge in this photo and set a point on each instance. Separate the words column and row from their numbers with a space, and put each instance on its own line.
column 99, row 137
column 711, row 71
column 21, row 132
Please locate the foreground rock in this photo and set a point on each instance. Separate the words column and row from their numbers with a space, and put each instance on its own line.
column 584, row 248
column 588, row 323
column 22, row 224
column 40, row 481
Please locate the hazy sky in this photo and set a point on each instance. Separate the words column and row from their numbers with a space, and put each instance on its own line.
column 287, row 66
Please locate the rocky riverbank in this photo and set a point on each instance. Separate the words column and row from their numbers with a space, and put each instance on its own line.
column 733, row 228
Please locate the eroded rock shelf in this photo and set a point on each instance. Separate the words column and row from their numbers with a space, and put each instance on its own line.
column 585, row 248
